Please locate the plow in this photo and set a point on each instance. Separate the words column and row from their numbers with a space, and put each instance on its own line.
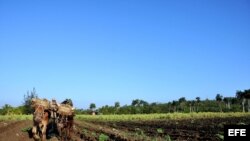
column 52, row 119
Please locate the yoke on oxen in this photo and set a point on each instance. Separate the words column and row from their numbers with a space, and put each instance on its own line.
column 52, row 118
column 65, row 121
column 40, row 118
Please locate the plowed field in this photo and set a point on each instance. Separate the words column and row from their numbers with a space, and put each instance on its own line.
column 158, row 130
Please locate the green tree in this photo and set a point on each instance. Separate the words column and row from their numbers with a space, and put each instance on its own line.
column 143, row 103
column 7, row 109
column 191, row 104
column 247, row 96
column 68, row 101
column 182, row 102
column 117, row 106
column 174, row 104
column 228, row 101
column 18, row 110
column 219, row 99
column 198, row 100
column 139, row 106
column 92, row 106
column 135, row 102
column 241, row 95
column 244, row 96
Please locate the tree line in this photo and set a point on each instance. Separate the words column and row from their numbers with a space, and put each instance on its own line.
column 239, row 103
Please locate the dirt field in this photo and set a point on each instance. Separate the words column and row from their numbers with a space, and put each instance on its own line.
column 202, row 129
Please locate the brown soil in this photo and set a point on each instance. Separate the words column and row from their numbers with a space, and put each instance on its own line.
column 202, row 129
column 12, row 131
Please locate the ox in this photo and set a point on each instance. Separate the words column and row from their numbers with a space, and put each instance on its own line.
column 40, row 122
column 65, row 120
column 65, row 126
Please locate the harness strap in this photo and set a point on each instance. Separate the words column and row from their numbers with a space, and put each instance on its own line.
column 42, row 109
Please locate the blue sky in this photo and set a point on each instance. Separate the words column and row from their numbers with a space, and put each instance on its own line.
column 104, row 51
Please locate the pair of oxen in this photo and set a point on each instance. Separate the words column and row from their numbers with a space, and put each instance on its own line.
column 59, row 116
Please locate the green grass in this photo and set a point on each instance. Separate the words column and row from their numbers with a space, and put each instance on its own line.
column 103, row 137
column 138, row 117
column 15, row 117
column 169, row 116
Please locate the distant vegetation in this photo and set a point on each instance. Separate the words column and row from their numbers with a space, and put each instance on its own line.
column 24, row 109
column 239, row 103
column 169, row 116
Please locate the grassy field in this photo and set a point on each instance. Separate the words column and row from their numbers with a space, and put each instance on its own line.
column 15, row 117
column 172, row 116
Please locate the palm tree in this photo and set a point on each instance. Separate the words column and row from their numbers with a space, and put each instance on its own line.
column 198, row 100
column 174, row 104
column 241, row 95
column 244, row 95
column 247, row 96
column 182, row 102
column 219, row 99
column 117, row 106
column 191, row 105
column 228, row 101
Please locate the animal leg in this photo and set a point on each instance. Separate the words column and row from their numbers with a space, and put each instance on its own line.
column 44, row 133
column 34, row 132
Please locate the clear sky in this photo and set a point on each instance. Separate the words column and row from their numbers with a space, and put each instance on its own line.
column 104, row 51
